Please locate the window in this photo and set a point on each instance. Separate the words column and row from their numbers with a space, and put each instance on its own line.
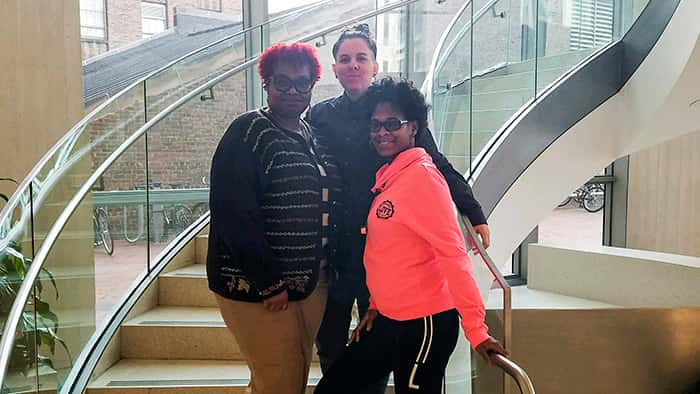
column 210, row 5
column 92, row 19
column 591, row 23
column 153, row 19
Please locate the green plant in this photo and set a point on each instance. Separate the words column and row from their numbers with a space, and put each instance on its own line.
column 39, row 325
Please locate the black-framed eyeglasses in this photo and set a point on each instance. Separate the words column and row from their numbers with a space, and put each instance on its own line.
column 284, row 84
column 390, row 125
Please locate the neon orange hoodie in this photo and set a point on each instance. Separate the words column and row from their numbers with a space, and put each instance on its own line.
column 415, row 257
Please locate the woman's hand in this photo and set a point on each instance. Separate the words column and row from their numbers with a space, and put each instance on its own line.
column 482, row 230
column 277, row 302
column 366, row 322
column 488, row 346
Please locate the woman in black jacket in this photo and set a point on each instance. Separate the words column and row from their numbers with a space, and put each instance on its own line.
column 342, row 121
column 274, row 196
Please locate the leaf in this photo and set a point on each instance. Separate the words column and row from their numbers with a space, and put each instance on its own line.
column 43, row 309
column 48, row 274
column 27, row 323
column 47, row 337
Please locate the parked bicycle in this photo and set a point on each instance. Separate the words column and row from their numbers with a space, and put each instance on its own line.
column 590, row 196
column 166, row 219
column 101, row 233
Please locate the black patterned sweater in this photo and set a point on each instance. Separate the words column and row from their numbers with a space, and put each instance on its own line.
column 274, row 200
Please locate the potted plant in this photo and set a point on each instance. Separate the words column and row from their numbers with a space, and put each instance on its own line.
column 39, row 325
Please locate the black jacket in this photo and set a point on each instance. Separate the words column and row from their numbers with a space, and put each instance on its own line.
column 268, row 199
column 344, row 125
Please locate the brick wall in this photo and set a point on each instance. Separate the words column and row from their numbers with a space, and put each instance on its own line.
column 228, row 7
column 92, row 48
column 180, row 147
column 124, row 20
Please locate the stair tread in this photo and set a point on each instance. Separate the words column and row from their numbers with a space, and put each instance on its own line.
column 189, row 271
column 149, row 373
column 525, row 298
column 178, row 315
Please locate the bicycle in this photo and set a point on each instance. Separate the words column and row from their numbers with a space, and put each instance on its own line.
column 101, row 233
column 590, row 196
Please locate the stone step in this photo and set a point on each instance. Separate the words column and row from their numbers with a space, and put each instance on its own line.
column 130, row 376
column 201, row 247
column 177, row 333
column 562, row 60
column 479, row 120
column 510, row 98
column 523, row 80
column 186, row 286
column 459, row 143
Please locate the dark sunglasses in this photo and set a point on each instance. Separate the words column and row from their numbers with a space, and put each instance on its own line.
column 283, row 84
column 390, row 125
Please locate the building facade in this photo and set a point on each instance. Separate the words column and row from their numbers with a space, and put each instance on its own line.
column 110, row 24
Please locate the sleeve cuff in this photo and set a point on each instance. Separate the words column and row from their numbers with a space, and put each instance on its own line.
column 477, row 336
column 476, row 216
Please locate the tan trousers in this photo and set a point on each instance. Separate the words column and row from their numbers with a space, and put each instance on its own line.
column 277, row 346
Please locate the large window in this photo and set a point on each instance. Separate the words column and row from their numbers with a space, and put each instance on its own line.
column 92, row 19
column 153, row 18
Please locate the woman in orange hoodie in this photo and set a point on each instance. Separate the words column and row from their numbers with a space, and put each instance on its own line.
column 418, row 271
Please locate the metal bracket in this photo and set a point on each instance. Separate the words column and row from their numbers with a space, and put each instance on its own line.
column 322, row 42
column 501, row 14
column 205, row 97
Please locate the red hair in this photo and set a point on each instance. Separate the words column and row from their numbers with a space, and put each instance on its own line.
column 297, row 54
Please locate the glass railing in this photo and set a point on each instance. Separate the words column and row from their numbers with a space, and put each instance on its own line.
column 466, row 370
column 127, row 180
column 499, row 55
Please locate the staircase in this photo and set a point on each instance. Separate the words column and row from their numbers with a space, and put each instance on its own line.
column 175, row 340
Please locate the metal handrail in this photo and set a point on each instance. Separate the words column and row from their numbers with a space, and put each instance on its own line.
column 437, row 60
column 79, row 127
column 475, row 18
column 515, row 371
column 33, row 272
column 500, row 279
column 509, row 366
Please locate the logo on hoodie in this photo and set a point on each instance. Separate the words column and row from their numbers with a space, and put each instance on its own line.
column 385, row 210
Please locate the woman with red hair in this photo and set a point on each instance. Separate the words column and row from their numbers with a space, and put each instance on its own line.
column 274, row 196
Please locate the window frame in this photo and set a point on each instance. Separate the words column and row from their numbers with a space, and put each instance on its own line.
column 163, row 4
column 91, row 38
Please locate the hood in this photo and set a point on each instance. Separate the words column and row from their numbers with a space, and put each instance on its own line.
column 389, row 172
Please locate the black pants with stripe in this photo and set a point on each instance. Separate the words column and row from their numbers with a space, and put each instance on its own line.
column 333, row 336
column 416, row 351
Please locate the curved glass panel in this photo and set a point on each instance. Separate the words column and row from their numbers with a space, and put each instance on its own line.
column 497, row 57
column 149, row 193
column 501, row 54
